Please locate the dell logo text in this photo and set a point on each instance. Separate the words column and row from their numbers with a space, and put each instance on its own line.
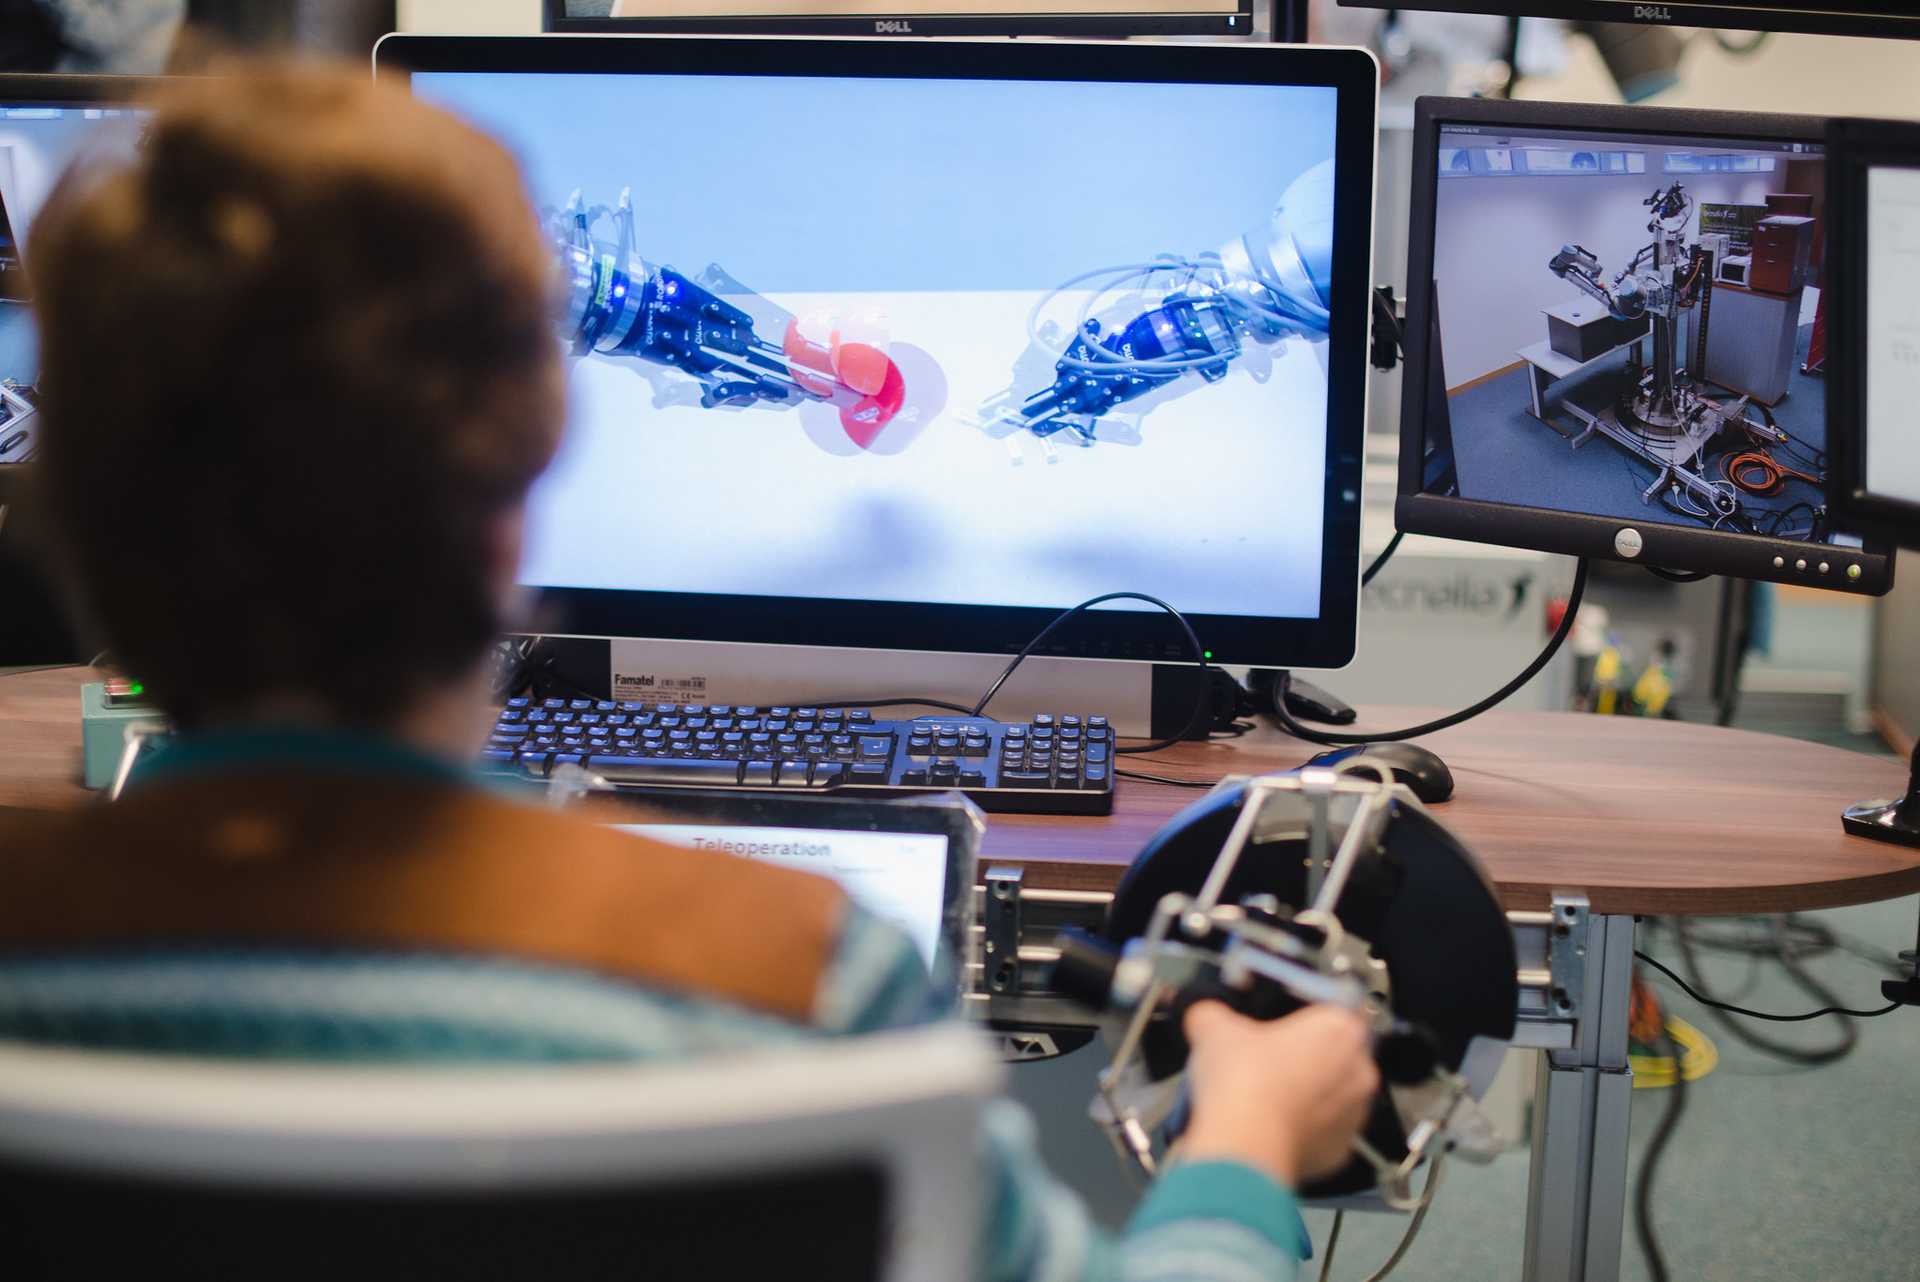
column 892, row 27
column 1652, row 13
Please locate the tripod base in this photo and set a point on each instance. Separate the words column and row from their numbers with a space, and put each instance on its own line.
column 1895, row 821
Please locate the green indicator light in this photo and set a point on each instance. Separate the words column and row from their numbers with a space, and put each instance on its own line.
column 1207, row 653
column 137, row 688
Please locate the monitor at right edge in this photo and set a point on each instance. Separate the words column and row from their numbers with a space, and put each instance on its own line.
column 1874, row 198
column 1617, row 340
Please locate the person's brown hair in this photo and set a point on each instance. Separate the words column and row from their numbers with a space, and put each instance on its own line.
column 296, row 367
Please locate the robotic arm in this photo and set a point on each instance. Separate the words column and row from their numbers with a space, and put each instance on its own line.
column 619, row 304
column 1196, row 315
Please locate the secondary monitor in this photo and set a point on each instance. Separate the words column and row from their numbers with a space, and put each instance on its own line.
column 1888, row 18
column 909, row 345
column 930, row 17
column 46, row 122
column 1875, row 366
column 1601, row 362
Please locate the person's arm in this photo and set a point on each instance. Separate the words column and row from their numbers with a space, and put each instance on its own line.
column 1273, row 1103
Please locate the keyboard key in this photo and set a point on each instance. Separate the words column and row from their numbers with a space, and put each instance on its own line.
column 666, row 770
column 972, row 779
column 1094, row 777
column 580, row 705
column 793, row 774
column 876, row 748
column 829, row 774
column 518, row 701
column 1025, row 779
column 868, row 772
column 604, row 705
column 497, row 756
column 566, row 759
column 1096, row 752
column 759, row 774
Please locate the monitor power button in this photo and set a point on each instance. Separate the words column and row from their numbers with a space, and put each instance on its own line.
column 1628, row 543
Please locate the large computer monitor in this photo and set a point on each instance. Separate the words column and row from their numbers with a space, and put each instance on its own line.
column 1288, row 18
column 1875, row 367
column 906, row 346
column 1592, row 369
column 45, row 123
column 1888, row 18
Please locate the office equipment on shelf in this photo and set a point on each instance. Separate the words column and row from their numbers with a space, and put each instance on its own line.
column 1873, row 364
column 1889, row 19
column 1696, row 441
column 974, row 411
column 1051, row 765
column 1285, row 20
column 865, row 1150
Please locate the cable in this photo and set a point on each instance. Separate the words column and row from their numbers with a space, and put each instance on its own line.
column 1649, row 1165
column 1842, row 1046
column 1676, row 576
column 1532, row 670
column 914, row 701
column 1167, row 779
column 1202, row 708
column 1333, row 1241
column 1686, row 988
column 1427, row 1191
column 1386, row 555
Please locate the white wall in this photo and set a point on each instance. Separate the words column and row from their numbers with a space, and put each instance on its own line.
column 1495, row 234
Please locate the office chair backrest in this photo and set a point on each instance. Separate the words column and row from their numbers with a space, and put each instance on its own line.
column 846, row 1160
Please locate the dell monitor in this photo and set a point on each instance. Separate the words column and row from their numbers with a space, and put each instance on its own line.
column 1288, row 18
column 1874, row 410
column 1602, row 362
column 886, row 352
column 1888, row 18
column 1875, row 366
column 46, row 122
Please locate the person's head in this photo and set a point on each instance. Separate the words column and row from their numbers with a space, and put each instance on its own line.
column 297, row 373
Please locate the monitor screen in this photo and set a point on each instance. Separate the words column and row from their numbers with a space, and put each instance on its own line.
column 1892, row 454
column 1885, row 18
column 1623, row 327
column 914, row 17
column 38, row 140
column 902, row 349
column 899, row 877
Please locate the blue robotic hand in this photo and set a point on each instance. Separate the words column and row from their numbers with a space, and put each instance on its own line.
column 1269, row 284
column 619, row 304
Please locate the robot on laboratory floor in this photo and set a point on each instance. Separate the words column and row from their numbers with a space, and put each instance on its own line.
column 1661, row 416
column 1185, row 315
column 619, row 304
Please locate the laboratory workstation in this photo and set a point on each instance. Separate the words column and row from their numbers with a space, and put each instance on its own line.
column 959, row 640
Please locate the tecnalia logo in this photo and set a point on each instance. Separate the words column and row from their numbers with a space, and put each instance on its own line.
column 892, row 27
column 1652, row 13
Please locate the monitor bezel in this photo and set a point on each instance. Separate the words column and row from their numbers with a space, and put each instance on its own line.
column 1739, row 17
column 1324, row 641
column 1676, row 548
column 949, row 815
column 1291, row 13
column 1853, row 148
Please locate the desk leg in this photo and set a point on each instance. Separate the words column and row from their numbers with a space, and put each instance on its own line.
column 1577, row 1193
column 1536, row 379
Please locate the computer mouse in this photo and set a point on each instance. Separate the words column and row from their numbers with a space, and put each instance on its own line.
column 1421, row 770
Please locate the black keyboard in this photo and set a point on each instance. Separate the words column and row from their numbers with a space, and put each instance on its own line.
column 1050, row 765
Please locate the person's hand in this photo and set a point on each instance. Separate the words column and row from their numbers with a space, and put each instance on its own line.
column 1285, row 1096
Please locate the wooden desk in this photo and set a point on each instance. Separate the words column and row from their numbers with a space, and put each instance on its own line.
column 1646, row 817
column 1640, row 817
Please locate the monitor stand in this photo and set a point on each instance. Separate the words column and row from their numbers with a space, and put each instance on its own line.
column 1897, row 821
column 1141, row 699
